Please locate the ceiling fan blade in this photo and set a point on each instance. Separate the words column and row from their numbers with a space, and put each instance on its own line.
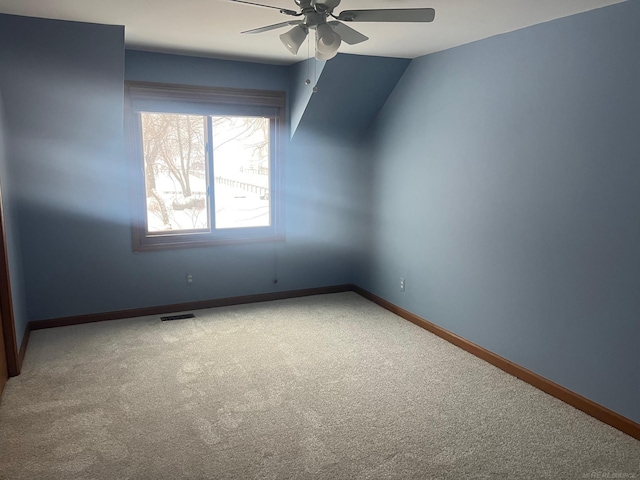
column 286, row 11
column 274, row 27
column 348, row 34
column 389, row 15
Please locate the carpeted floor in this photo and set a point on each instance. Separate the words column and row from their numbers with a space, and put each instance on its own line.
column 320, row 387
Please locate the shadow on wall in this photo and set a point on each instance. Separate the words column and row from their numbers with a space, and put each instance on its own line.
column 88, row 265
column 351, row 91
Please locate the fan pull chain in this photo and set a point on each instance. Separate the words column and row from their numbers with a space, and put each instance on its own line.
column 308, row 80
column 315, row 76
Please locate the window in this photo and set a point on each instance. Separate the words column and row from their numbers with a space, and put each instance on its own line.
column 206, row 165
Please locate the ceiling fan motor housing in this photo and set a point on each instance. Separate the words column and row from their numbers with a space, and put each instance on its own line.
column 324, row 6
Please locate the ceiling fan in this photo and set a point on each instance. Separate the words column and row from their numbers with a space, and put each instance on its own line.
column 330, row 34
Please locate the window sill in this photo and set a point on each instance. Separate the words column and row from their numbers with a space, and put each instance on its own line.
column 173, row 242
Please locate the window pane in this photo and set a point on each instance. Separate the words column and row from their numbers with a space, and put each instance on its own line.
column 175, row 172
column 241, row 168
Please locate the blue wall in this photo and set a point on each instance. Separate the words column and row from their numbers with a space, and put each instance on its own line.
column 62, row 88
column 331, row 133
column 506, row 190
column 12, row 235
column 300, row 93
column 63, row 92
column 351, row 91
column 180, row 69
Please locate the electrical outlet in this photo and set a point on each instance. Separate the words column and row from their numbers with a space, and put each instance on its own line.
column 401, row 284
column 189, row 279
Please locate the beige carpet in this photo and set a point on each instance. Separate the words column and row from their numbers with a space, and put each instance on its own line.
column 321, row 387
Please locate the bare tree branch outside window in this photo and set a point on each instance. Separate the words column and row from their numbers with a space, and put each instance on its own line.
column 175, row 165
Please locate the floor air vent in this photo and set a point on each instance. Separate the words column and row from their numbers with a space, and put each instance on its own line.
column 177, row 317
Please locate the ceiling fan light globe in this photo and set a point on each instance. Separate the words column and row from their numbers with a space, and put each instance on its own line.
column 325, row 56
column 327, row 40
column 294, row 38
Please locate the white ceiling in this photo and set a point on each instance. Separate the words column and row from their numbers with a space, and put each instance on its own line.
column 212, row 27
